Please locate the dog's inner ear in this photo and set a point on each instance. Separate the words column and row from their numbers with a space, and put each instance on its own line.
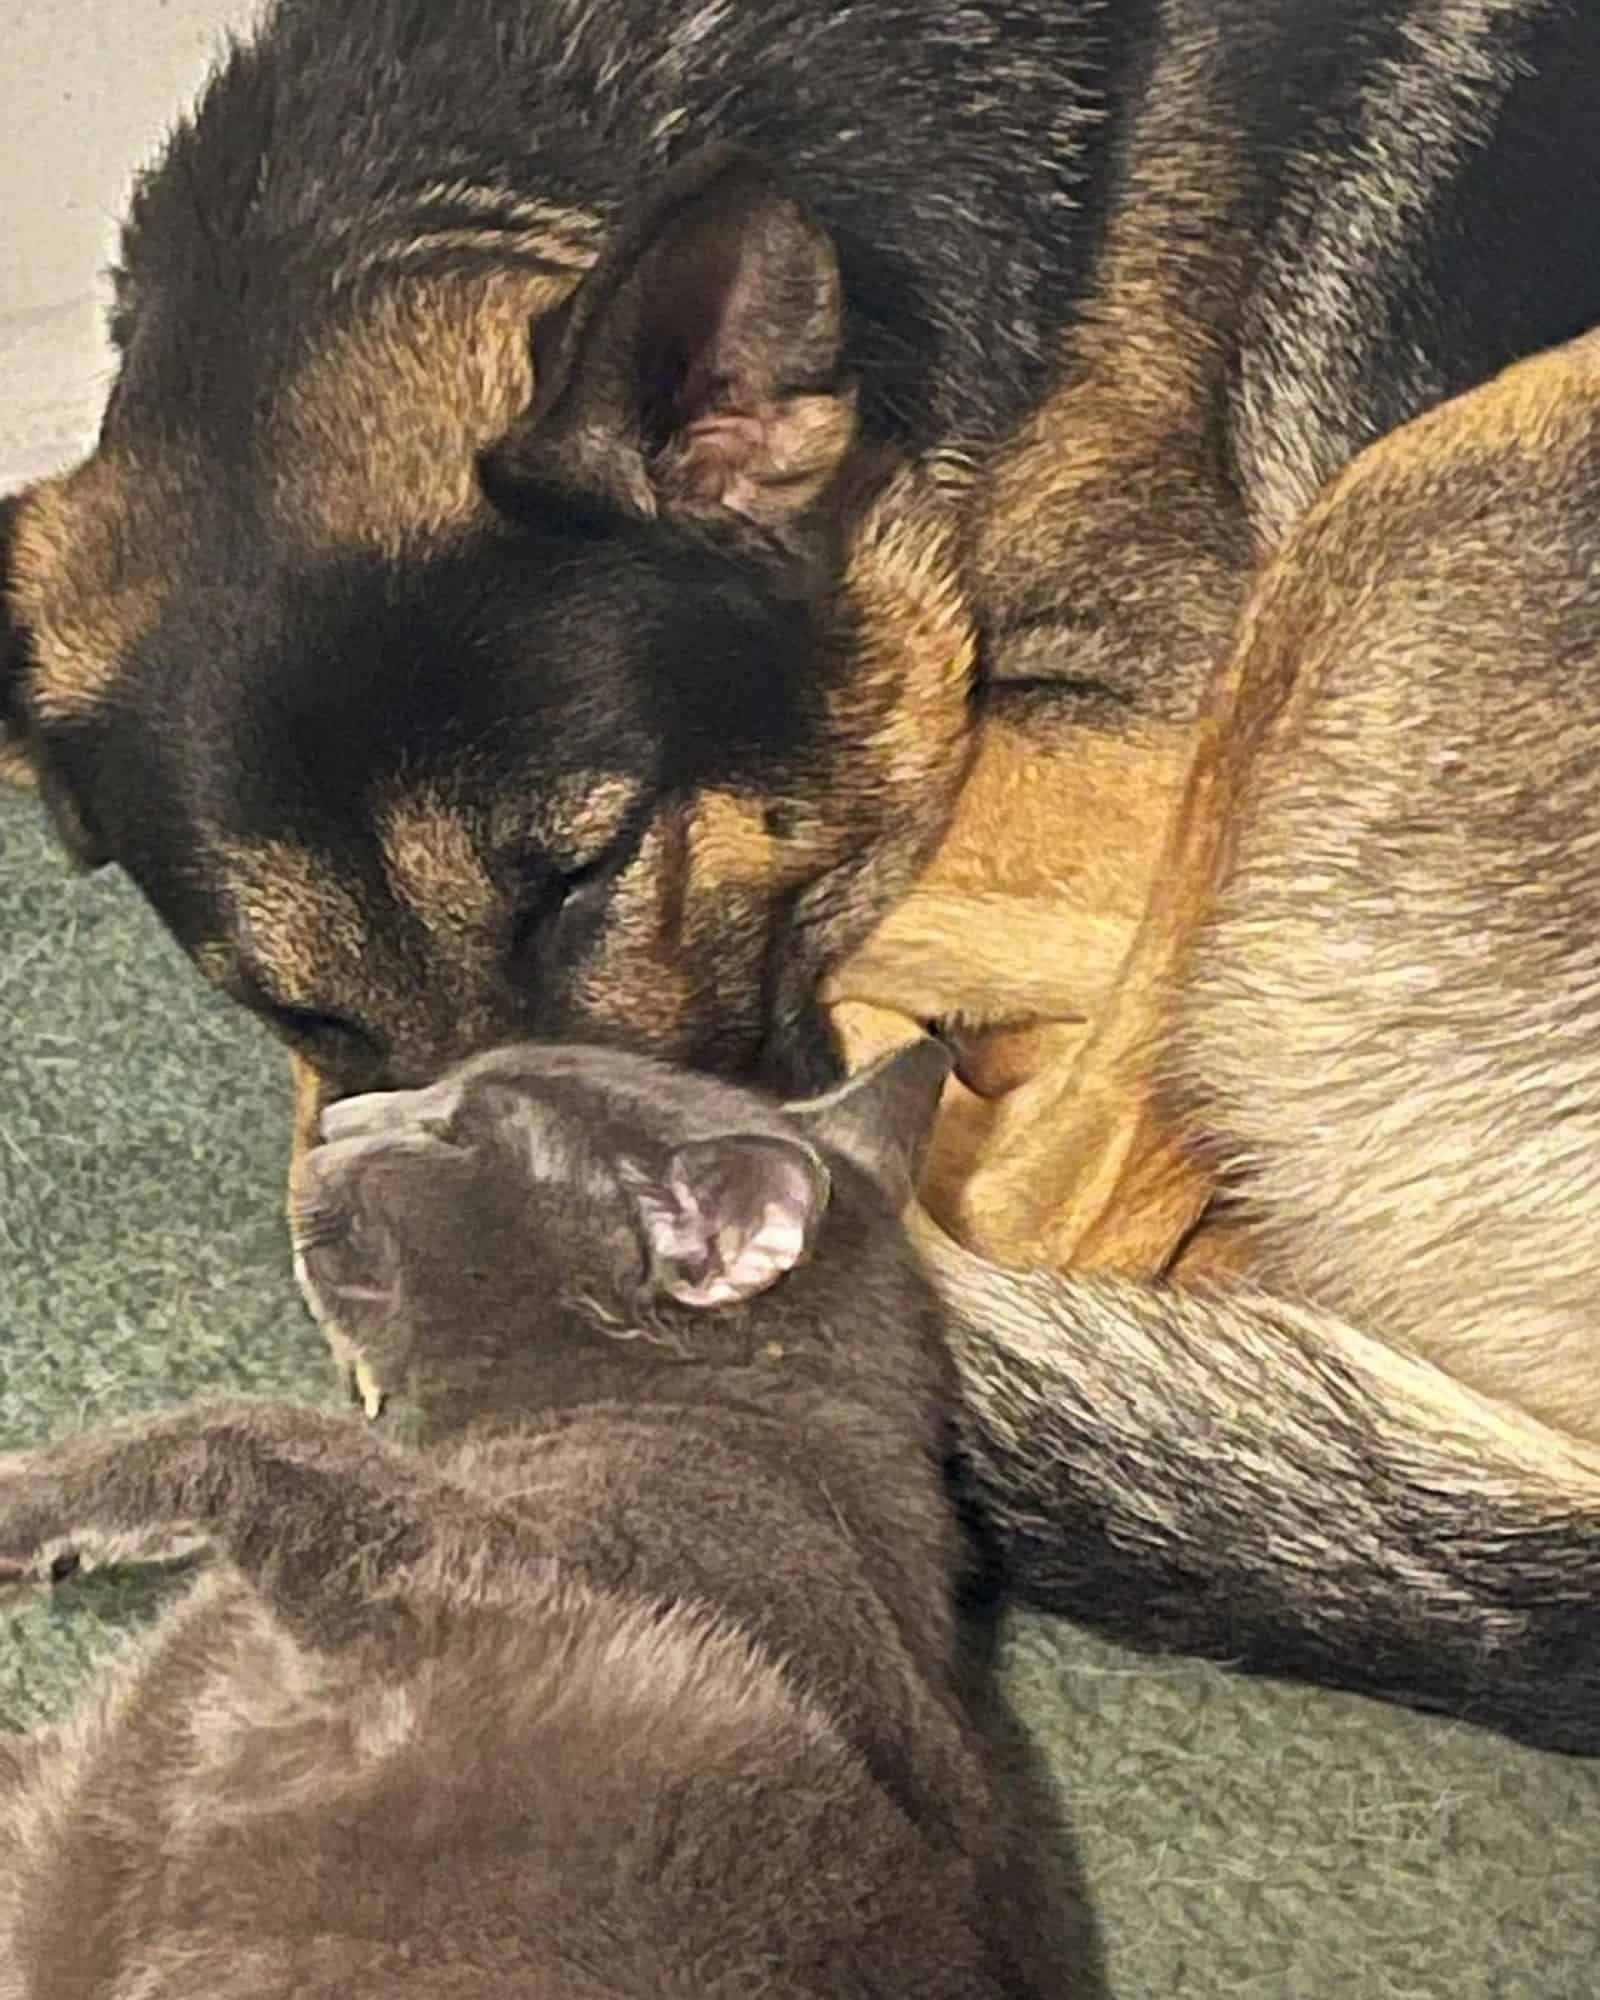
column 725, row 1218
column 696, row 368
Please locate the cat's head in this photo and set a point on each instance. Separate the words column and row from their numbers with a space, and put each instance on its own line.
column 544, row 1203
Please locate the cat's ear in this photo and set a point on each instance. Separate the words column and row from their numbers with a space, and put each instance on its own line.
column 725, row 1218
column 695, row 370
column 882, row 1117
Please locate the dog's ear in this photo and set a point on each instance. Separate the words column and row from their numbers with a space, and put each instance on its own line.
column 12, row 645
column 725, row 1218
column 20, row 757
column 882, row 1117
column 74, row 825
column 695, row 369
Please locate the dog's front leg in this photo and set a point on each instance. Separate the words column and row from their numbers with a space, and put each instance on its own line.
column 1088, row 1165
column 1079, row 1163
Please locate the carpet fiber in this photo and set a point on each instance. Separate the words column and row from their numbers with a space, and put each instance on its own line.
column 1239, row 1839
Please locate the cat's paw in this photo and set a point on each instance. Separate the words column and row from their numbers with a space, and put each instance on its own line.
column 36, row 1543
column 58, row 1515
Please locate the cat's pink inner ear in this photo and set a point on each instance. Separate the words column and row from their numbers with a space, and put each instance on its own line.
column 731, row 1216
column 748, row 1263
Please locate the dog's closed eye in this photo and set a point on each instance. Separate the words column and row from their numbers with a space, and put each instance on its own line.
column 547, row 888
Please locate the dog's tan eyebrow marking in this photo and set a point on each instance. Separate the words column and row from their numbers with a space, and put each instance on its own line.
column 435, row 867
column 84, row 583
column 572, row 818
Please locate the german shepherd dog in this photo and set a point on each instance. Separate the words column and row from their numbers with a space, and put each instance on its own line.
column 649, row 522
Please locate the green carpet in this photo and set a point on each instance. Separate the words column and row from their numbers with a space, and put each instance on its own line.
column 1243, row 1840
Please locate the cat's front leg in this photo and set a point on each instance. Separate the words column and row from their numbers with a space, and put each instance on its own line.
column 142, row 1489
column 44, row 1539
column 323, row 1517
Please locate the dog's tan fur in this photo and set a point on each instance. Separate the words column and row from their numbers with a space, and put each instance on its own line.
column 1091, row 1151
column 373, row 446
column 1030, row 903
column 88, row 577
column 1022, row 927
column 1438, row 584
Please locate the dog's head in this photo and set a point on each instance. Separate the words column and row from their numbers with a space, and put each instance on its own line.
column 463, row 655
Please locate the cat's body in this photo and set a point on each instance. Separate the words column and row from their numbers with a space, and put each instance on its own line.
column 654, row 1672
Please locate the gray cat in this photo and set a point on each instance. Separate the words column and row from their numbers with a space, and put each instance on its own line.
column 658, row 1669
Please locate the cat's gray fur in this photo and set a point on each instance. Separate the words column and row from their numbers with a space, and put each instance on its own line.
column 649, row 1667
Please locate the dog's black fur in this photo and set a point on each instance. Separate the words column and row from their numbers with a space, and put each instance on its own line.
column 230, row 633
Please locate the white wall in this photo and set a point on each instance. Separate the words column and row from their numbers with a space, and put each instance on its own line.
column 87, row 88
